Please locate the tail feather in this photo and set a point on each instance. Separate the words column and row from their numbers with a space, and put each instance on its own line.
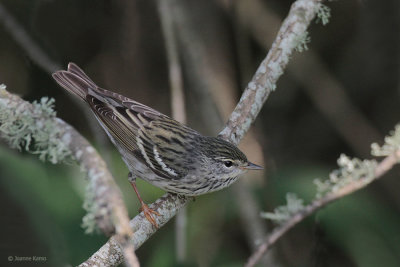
column 75, row 81
column 73, row 68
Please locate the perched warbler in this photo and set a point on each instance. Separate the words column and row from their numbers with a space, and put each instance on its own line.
column 155, row 147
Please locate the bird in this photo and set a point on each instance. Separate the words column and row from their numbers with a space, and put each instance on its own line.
column 155, row 147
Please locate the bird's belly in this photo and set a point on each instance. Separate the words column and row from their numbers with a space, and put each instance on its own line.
column 188, row 186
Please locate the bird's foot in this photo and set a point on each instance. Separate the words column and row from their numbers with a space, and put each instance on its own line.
column 149, row 214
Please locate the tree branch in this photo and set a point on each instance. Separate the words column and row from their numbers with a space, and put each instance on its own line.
column 110, row 254
column 384, row 166
column 264, row 80
column 25, row 41
column 269, row 71
column 325, row 90
column 177, row 104
column 23, row 123
column 39, row 56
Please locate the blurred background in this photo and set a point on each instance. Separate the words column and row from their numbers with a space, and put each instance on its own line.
column 338, row 97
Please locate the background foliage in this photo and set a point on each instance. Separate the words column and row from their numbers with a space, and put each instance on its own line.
column 121, row 46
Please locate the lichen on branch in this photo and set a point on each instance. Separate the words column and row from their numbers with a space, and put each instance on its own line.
column 283, row 213
column 350, row 169
column 392, row 143
column 36, row 129
column 353, row 174
column 32, row 127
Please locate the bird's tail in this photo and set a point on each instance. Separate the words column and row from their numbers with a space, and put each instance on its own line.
column 75, row 81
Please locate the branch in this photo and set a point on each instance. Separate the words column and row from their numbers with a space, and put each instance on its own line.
column 36, row 128
column 384, row 166
column 110, row 254
column 326, row 91
column 100, row 180
column 250, row 104
column 264, row 81
column 177, row 104
column 174, row 66
column 38, row 56
column 25, row 41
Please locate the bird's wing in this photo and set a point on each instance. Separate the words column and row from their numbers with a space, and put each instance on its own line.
column 153, row 137
column 168, row 144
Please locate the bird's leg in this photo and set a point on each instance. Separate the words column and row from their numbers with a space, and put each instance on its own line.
column 148, row 213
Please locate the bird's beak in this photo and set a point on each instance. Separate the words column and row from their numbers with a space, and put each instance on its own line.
column 252, row 166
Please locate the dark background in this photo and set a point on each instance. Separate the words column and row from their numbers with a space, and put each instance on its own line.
column 338, row 97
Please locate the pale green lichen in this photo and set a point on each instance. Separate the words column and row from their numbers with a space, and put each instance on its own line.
column 33, row 128
column 36, row 129
column 323, row 14
column 392, row 144
column 301, row 42
column 89, row 222
column 349, row 170
column 283, row 213
column 89, row 204
column 271, row 85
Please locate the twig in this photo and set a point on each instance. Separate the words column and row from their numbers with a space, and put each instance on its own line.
column 215, row 88
column 174, row 66
column 37, row 55
column 110, row 213
column 264, row 81
column 253, row 225
column 26, row 42
column 110, row 254
column 326, row 92
column 41, row 58
column 213, row 82
column 384, row 166
column 195, row 56
column 177, row 104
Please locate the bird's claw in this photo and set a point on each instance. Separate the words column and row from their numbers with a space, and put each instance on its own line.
column 148, row 213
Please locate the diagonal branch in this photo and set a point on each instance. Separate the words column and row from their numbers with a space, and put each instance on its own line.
column 384, row 166
column 323, row 88
column 100, row 179
column 26, row 42
column 271, row 68
column 21, row 122
column 263, row 83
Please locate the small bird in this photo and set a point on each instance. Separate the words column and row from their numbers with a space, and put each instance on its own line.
column 156, row 148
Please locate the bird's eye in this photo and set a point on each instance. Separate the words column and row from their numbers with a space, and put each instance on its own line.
column 228, row 163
